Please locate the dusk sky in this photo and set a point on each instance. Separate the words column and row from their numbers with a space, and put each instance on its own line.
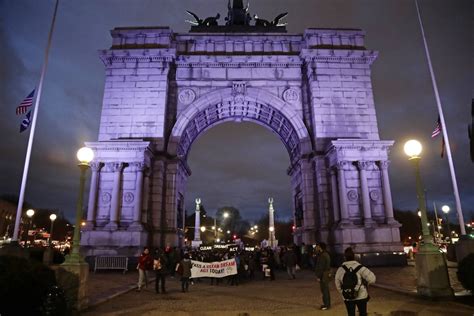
column 235, row 164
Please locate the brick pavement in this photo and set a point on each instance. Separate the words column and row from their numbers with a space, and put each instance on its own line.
column 281, row 297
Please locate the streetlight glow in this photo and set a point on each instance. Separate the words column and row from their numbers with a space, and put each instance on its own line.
column 225, row 215
column 412, row 148
column 203, row 229
column 52, row 217
column 271, row 228
column 30, row 213
column 85, row 155
column 445, row 209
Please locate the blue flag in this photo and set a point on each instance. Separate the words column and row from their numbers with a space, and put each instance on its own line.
column 26, row 122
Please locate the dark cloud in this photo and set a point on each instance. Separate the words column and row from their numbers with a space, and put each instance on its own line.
column 244, row 163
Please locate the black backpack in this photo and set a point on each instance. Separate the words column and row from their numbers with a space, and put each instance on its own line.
column 349, row 283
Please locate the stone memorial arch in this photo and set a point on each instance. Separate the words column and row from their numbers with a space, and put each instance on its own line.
column 313, row 90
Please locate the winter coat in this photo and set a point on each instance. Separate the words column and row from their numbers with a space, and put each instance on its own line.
column 323, row 266
column 364, row 276
column 145, row 262
column 289, row 258
column 186, row 265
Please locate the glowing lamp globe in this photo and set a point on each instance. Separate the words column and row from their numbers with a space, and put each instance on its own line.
column 272, row 228
column 30, row 213
column 445, row 209
column 85, row 155
column 52, row 217
column 203, row 229
column 225, row 215
column 412, row 148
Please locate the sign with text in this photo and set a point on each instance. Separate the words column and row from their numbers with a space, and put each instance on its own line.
column 217, row 269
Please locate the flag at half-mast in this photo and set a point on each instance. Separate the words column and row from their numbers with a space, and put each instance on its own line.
column 25, row 104
column 438, row 129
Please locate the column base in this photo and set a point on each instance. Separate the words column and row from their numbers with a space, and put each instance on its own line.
column 369, row 223
column 136, row 227
column 111, row 226
column 344, row 223
column 89, row 226
column 393, row 222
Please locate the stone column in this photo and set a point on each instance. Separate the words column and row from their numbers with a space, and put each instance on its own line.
column 137, row 207
column 271, row 224
column 363, row 166
column 387, row 194
column 92, row 205
column 335, row 198
column 116, row 167
column 342, row 192
column 197, row 221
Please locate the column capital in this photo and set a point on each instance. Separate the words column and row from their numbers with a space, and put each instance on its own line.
column 139, row 166
column 96, row 166
column 364, row 165
column 341, row 165
column 384, row 164
column 115, row 166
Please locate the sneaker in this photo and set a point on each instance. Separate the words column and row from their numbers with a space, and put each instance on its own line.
column 324, row 307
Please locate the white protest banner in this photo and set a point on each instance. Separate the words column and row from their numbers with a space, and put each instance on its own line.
column 217, row 269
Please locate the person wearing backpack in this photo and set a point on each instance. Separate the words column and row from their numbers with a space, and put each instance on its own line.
column 323, row 271
column 352, row 280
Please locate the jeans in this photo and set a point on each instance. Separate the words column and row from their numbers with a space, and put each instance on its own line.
column 160, row 278
column 142, row 278
column 324, row 284
column 291, row 270
column 184, row 284
column 361, row 306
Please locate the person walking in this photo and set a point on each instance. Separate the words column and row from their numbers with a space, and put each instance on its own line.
column 352, row 280
column 289, row 259
column 184, row 269
column 323, row 269
column 145, row 263
column 159, row 265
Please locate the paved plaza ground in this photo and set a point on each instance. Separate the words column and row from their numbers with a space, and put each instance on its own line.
column 257, row 297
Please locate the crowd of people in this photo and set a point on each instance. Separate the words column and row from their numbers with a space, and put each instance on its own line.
column 351, row 278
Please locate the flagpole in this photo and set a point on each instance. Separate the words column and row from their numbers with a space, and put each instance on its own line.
column 443, row 128
column 32, row 131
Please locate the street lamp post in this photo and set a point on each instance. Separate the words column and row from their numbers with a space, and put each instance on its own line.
column 30, row 214
column 431, row 268
column 85, row 156
column 446, row 210
column 48, row 254
column 52, row 217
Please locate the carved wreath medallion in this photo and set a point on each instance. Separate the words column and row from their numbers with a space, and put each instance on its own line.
column 186, row 96
column 291, row 95
column 128, row 197
column 374, row 195
column 106, row 197
column 352, row 195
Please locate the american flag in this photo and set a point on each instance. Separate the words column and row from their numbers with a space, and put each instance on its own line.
column 437, row 129
column 25, row 104
column 25, row 123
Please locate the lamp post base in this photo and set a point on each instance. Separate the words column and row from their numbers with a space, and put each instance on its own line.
column 432, row 273
column 72, row 277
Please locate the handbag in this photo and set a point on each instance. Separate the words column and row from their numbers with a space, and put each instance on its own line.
column 297, row 268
